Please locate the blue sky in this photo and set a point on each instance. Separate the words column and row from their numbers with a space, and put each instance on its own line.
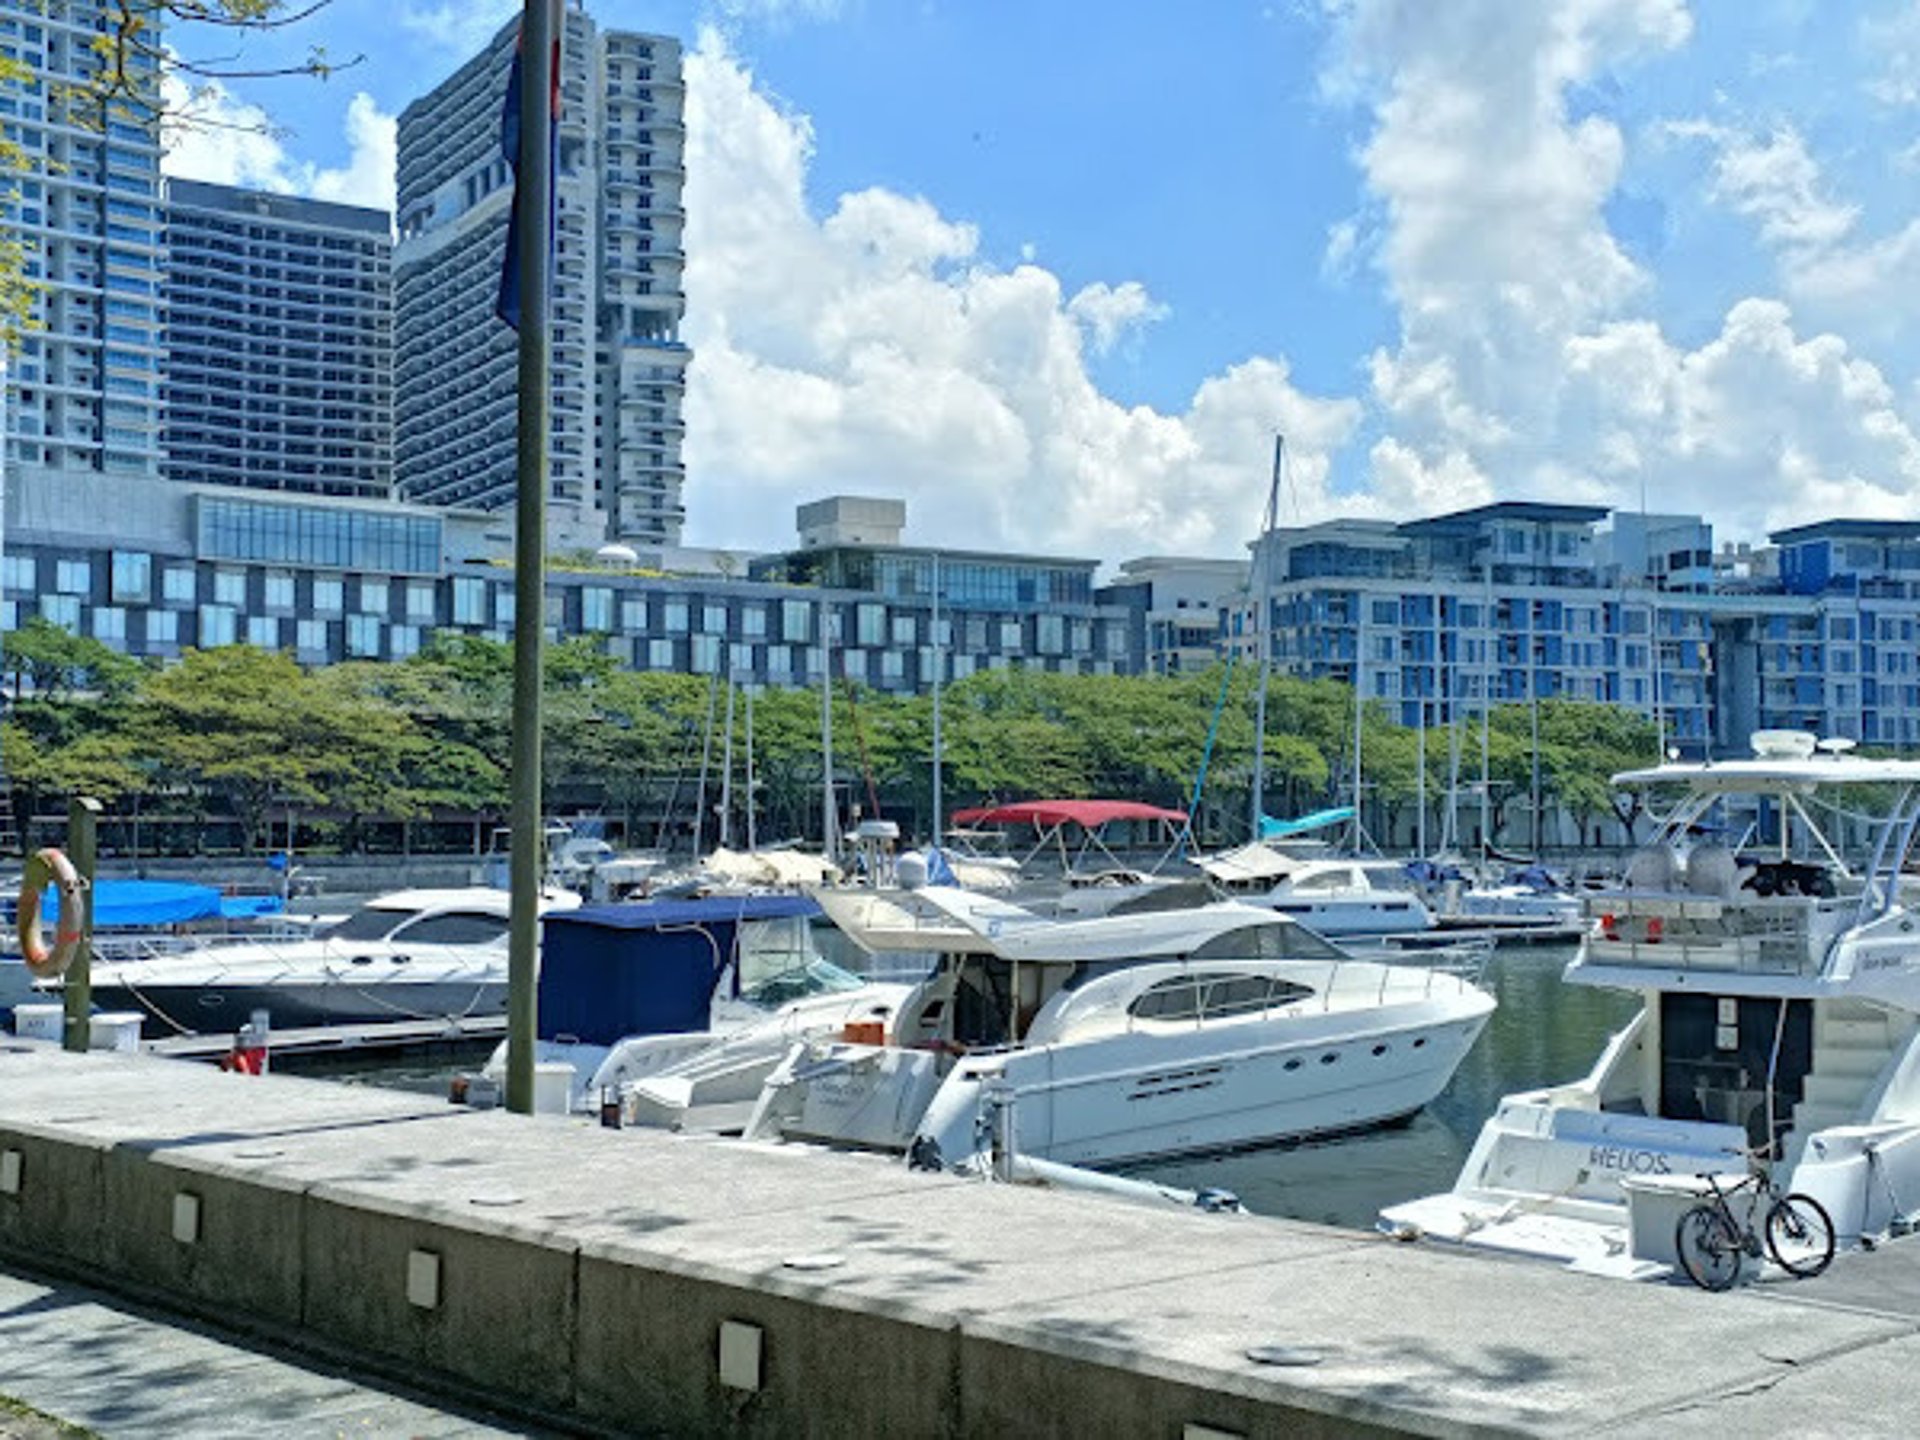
column 1056, row 273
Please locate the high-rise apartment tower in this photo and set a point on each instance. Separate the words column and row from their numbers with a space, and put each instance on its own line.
column 618, row 365
column 84, row 391
column 279, row 332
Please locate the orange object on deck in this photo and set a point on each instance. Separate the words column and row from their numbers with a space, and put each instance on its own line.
column 864, row 1032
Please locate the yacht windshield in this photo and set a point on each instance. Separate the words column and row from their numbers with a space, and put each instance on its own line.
column 369, row 923
column 778, row 963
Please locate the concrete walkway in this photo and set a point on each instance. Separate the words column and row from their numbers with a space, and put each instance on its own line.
column 636, row 1281
column 105, row 1367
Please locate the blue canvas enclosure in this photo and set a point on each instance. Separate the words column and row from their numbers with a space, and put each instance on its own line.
column 648, row 968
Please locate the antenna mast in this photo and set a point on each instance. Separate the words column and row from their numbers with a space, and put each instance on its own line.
column 1264, row 598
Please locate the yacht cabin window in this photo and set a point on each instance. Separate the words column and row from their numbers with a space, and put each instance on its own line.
column 456, row 927
column 370, row 924
column 1268, row 942
column 1214, row 996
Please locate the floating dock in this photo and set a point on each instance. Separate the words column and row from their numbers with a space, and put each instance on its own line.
column 628, row 1281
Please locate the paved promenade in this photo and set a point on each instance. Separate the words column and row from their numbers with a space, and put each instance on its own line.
column 628, row 1281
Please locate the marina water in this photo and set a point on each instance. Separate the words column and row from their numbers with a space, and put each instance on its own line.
column 1543, row 1033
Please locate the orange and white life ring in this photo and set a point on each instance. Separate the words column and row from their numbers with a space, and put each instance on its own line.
column 50, row 867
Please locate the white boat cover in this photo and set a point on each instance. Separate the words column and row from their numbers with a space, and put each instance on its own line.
column 1249, row 863
column 771, row 867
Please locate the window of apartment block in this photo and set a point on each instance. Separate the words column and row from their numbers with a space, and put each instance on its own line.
column 230, row 588
column 660, row 655
column 264, row 631
column 1010, row 635
column 796, row 621
column 72, row 577
column 674, row 615
column 20, row 573
column 906, row 631
column 421, row 601
column 363, row 636
column 469, row 600
column 132, row 575
column 503, row 607
column 893, row 665
column 853, row 664
column 870, row 624
column 163, row 627
column 179, row 585
column 596, row 609
column 779, row 663
column 110, row 625
column 753, row 622
column 713, row 619
column 704, row 655
column 633, row 613
column 329, row 595
column 374, row 599
column 1050, row 634
column 278, row 590
column 402, row 641
column 216, row 626
column 61, row 610
column 740, row 661
column 311, row 637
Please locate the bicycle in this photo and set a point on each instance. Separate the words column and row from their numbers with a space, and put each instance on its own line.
column 1711, row 1240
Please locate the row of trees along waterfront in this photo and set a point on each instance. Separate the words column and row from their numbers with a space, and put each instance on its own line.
column 228, row 747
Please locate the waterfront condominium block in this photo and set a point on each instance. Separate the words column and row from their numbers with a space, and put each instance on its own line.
column 279, row 332
column 83, row 393
column 618, row 364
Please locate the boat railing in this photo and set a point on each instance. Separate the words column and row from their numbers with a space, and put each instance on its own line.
column 1786, row 936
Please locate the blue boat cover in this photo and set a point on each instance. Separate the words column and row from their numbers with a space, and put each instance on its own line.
column 643, row 968
column 1271, row 828
column 134, row 904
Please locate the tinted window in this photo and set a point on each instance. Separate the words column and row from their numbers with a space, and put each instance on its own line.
column 369, row 924
column 1268, row 942
column 455, row 928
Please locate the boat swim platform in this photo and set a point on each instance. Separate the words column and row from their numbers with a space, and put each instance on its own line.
column 346, row 1038
column 627, row 1281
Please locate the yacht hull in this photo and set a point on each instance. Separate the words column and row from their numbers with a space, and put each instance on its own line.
column 217, row 1008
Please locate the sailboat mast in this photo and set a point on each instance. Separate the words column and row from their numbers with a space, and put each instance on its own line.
column 726, row 772
column 752, row 839
column 828, row 817
column 939, row 669
column 1264, row 596
column 1359, row 692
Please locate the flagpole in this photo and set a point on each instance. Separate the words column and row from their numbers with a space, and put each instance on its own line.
column 533, row 205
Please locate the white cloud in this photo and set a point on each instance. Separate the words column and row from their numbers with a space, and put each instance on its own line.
column 458, row 28
column 876, row 350
column 1527, row 365
column 1109, row 313
column 220, row 138
column 1776, row 182
column 1894, row 41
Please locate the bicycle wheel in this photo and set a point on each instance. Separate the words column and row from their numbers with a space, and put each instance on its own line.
column 1800, row 1235
column 1709, row 1248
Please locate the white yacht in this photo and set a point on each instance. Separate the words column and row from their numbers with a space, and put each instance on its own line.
column 1781, row 981
column 409, row 955
column 1333, row 896
column 1124, row 1037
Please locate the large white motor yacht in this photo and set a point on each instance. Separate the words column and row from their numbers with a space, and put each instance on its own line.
column 1336, row 897
column 1781, row 981
column 1124, row 1037
column 408, row 955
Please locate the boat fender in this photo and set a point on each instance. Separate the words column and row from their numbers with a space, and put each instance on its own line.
column 50, row 867
column 1656, row 930
column 1216, row 1201
column 924, row 1154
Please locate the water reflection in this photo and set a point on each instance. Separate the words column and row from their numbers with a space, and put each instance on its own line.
column 1544, row 1033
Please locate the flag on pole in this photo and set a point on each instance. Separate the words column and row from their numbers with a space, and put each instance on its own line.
column 507, row 306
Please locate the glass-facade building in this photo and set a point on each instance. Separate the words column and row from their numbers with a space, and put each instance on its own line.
column 279, row 332
column 154, row 569
column 1440, row 618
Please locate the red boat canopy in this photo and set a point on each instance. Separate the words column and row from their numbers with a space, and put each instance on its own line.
column 1088, row 813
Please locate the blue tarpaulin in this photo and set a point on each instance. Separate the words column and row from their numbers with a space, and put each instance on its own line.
column 133, row 904
column 642, row 968
column 1272, row 829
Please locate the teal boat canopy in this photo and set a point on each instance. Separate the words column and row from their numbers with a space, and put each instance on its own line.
column 1272, row 829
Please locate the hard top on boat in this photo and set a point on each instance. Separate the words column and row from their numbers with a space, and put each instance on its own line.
column 1014, row 933
column 1782, row 759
